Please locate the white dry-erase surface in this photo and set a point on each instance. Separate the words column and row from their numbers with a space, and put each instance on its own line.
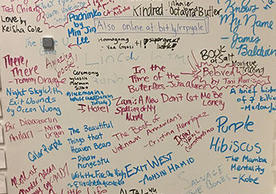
column 138, row 96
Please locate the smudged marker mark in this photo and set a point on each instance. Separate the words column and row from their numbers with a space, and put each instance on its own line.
column 93, row 63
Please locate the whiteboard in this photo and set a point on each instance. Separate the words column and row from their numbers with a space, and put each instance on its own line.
column 138, row 97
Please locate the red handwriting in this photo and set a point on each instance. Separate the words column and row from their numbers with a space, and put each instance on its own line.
column 43, row 174
column 192, row 120
column 170, row 98
column 23, row 177
column 115, row 11
column 31, row 121
column 52, row 63
column 40, row 80
column 161, row 138
column 21, row 135
column 15, row 61
column 211, row 99
column 21, row 8
column 19, row 66
column 71, row 191
column 9, row 126
column 32, row 185
column 163, row 124
column 140, row 128
column 99, row 190
column 190, row 138
column 224, row 76
column 146, row 87
column 168, row 133
column 134, row 108
column 54, row 176
column 140, row 100
column 108, row 7
column 54, row 131
column 126, row 144
column 160, row 79
column 64, row 58
column 40, row 181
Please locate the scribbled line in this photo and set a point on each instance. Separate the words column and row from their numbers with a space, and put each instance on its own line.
column 224, row 38
column 94, row 63
column 61, row 25
column 196, row 70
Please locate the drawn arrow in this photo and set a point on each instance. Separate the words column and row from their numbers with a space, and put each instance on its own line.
column 194, row 70
column 72, row 45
